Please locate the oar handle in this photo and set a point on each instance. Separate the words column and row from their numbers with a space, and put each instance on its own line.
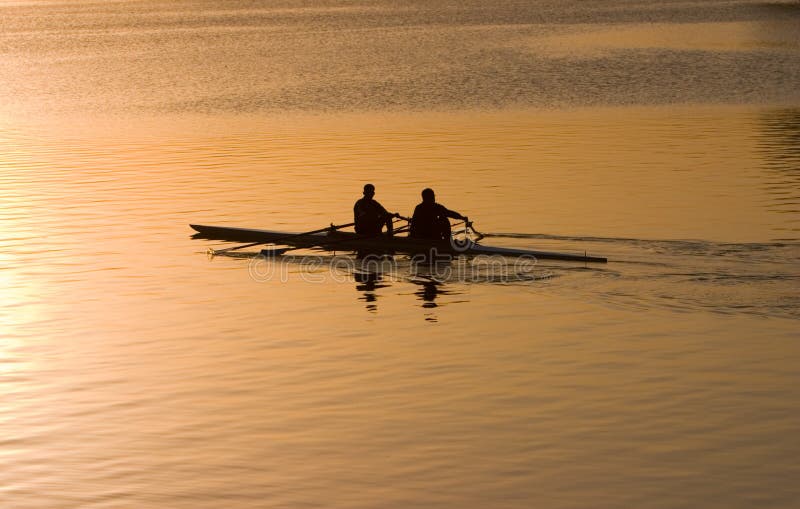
column 468, row 225
column 476, row 232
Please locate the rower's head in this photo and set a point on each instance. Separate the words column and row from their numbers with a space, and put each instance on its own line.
column 369, row 190
column 428, row 196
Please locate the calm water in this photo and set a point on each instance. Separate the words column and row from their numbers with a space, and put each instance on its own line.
column 137, row 372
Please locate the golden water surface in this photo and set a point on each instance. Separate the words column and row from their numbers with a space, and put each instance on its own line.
column 135, row 371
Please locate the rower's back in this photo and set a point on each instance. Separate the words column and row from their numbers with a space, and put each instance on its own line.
column 430, row 219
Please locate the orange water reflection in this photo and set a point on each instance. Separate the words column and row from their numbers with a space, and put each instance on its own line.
column 163, row 378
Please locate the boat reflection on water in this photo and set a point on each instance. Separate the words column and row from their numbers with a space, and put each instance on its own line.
column 431, row 278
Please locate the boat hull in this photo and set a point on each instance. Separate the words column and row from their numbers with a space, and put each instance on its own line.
column 347, row 241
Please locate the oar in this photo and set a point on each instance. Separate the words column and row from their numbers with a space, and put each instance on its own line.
column 468, row 225
column 294, row 235
column 281, row 250
column 476, row 232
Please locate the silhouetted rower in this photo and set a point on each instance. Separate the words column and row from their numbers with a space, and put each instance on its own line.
column 370, row 216
column 430, row 220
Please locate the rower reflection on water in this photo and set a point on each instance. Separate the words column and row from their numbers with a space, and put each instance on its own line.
column 428, row 293
column 367, row 283
column 374, row 273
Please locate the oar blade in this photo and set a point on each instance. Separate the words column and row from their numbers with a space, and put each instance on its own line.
column 272, row 252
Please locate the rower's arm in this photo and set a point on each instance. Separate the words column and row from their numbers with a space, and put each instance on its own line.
column 453, row 214
column 414, row 226
column 385, row 213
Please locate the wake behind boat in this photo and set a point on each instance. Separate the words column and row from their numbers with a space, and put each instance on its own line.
column 332, row 238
